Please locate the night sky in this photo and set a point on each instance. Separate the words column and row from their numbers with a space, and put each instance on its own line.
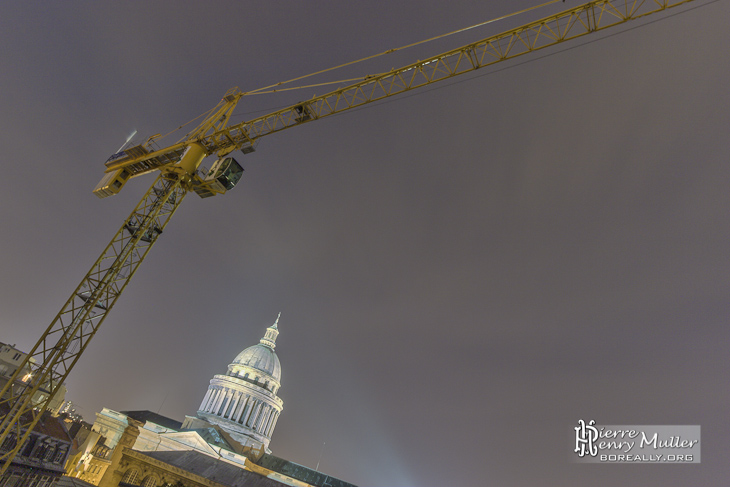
column 463, row 272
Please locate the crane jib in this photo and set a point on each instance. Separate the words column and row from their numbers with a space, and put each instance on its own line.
column 217, row 137
column 89, row 304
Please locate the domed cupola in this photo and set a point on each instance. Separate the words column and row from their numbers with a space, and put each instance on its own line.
column 244, row 402
column 260, row 357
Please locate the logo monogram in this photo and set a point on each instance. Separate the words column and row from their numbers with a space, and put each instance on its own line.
column 585, row 437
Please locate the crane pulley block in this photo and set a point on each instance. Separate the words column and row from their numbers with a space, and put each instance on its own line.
column 304, row 113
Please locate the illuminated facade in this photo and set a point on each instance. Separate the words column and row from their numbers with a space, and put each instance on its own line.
column 225, row 445
column 10, row 360
column 243, row 402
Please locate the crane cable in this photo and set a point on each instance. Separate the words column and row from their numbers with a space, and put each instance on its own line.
column 261, row 91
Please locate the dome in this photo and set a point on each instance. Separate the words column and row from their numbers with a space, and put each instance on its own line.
column 260, row 357
column 243, row 402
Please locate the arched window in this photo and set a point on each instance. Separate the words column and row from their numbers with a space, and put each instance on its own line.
column 149, row 481
column 130, row 477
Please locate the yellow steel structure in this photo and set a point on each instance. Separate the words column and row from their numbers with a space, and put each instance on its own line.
column 63, row 342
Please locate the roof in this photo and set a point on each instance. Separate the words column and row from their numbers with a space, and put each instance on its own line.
column 212, row 468
column 262, row 358
column 300, row 472
column 145, row 416
column 52, row 426
column 65, row 481
column 212, row 436
column 48, row 425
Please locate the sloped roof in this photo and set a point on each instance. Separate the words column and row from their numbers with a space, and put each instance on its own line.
column 145, row 416
column 65, row 481
column 47, row 425
column 212, row 436
column 52, row 426
column 212, row 469
column 300, row 472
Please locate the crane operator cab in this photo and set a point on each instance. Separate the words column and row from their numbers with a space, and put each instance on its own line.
column 222, row 176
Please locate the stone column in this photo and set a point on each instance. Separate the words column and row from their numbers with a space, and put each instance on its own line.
column 247, row 410
column 205, row 399
column 213, row 400
column 217, row 404
column 260, row 417
column 224, row 404
column 241, row 409
column 210, row 394
column 254, row 414
column 273, row 424
column 267, row 423
column 237, row 397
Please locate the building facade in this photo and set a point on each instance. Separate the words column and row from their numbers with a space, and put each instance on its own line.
column 244, row 401
column 10, row 360
column 40, row 461
column 225, row 444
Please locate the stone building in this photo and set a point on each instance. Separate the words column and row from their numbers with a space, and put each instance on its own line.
column 10, row 360
column 225, row 445
column 243, row 401
column 40, row 461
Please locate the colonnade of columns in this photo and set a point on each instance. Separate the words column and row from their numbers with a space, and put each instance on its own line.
column 248, row 411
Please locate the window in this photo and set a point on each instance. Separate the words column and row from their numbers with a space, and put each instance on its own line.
column 59, row 456
column 49, row 453
column 130, row 477
column 16, row 356
column 148, row 481
column 40, row 452
column 29, row 445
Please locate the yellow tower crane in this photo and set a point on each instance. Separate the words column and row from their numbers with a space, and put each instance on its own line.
column 70, row 332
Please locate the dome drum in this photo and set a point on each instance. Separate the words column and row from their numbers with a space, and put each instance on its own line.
column 243, row 402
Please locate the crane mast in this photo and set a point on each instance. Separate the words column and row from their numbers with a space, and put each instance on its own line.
column 61, row 345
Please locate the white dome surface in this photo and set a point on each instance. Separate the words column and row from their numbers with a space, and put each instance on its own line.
column 260, row 357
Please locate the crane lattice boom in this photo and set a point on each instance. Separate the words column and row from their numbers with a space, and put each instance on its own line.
column 570, row 24
column 63, row 342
